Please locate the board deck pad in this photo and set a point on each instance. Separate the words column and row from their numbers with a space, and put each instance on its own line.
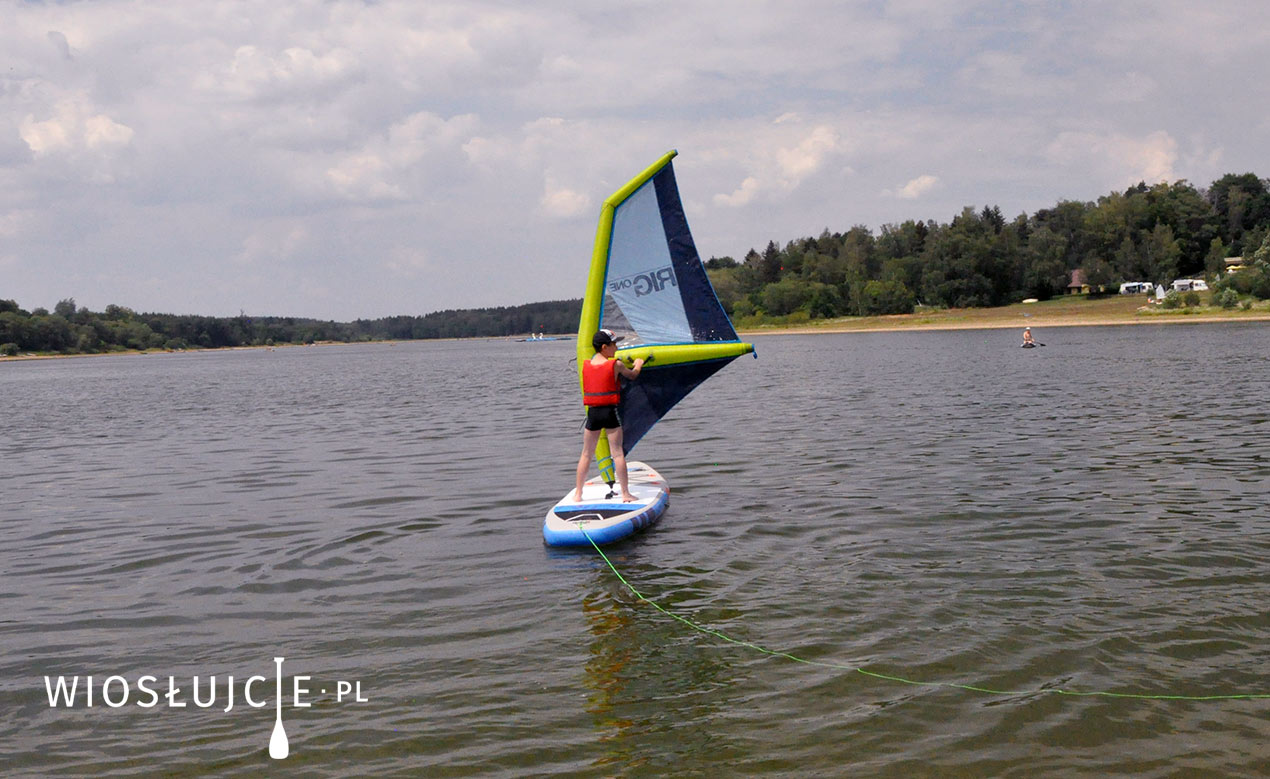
column 602, row 514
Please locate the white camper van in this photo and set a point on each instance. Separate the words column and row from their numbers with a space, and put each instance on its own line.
column 1136, row 288
column 1186, row 285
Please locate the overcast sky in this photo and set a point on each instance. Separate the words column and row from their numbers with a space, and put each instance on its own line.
column 365, row 159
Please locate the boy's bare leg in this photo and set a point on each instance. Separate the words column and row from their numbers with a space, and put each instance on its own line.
column 589, row 439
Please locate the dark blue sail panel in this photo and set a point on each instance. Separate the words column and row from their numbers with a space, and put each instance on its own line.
column 648, row 398
column 705, row 314
column 656, row 290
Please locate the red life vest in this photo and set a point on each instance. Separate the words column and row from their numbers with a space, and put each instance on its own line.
column 599, row 384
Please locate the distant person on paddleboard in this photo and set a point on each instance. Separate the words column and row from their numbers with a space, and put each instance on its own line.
column 1027, row 337
column 601, row 393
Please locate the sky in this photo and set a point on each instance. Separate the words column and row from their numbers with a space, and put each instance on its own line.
column 345, row 160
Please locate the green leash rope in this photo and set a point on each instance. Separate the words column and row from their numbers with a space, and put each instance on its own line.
column 900, row 679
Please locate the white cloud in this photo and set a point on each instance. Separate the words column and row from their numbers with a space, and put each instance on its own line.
column 917, row 187
column 394, row 164
column 46, row 137
column 255, row 73
column 362, row 177
column 789, row 153
column 484, row 151
column 808, row 156
column 562, row 202
column 1123, row 159
column 102, row 132
column 742, row 196
column 73, row 127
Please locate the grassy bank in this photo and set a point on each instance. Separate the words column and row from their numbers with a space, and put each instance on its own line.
column 1060, row 312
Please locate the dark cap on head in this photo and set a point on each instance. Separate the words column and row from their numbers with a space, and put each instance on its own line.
column 604, row 338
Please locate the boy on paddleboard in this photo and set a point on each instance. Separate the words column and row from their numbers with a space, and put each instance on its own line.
column 601, row 393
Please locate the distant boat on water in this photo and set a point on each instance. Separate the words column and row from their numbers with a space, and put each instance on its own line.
column 541, row 337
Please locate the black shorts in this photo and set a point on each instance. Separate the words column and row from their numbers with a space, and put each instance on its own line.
column 602, row 418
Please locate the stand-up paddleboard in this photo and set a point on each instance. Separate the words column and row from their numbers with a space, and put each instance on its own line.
column 601, row 512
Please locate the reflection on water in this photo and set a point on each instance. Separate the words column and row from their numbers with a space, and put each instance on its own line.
column 648, row 681
column 940, row 506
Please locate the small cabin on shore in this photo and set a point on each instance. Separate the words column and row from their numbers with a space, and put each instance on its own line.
column 1077, row 285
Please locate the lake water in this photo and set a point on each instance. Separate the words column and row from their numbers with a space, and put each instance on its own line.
column 942, row 507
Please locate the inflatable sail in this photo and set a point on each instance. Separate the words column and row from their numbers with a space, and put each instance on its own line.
column 647, row 284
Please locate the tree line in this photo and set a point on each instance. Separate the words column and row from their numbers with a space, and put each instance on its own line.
column 1146, row 233
column 71, row 329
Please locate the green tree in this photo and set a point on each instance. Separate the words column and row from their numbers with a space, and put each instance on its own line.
column 859, row 252
column 727, row 285
column 51, row 333
column 719, row 263
column 993, row 218
column 1067, row 220
column 885, row 297
column 825, row 268
column 15, row 329
column 903, row 240
column 1098, row 273
column 770, row 264
column 788, row 295
column 1240, row 202
column 1215, row 258
column 87, row 341
column 959, row 260
column 1185, row 211
column 825, row 302
column 1045, row 273
column 1160, row 253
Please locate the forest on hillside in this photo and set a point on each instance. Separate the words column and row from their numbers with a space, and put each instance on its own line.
column 1147, row 233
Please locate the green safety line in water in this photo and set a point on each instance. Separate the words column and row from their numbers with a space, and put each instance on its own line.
column 901, row 679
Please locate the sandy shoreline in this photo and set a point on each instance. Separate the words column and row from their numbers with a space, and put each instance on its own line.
column 1036, row 323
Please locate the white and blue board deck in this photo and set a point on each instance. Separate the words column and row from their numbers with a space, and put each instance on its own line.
column 602, row 513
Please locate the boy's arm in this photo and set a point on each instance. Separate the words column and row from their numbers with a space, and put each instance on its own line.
column 632, row 372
